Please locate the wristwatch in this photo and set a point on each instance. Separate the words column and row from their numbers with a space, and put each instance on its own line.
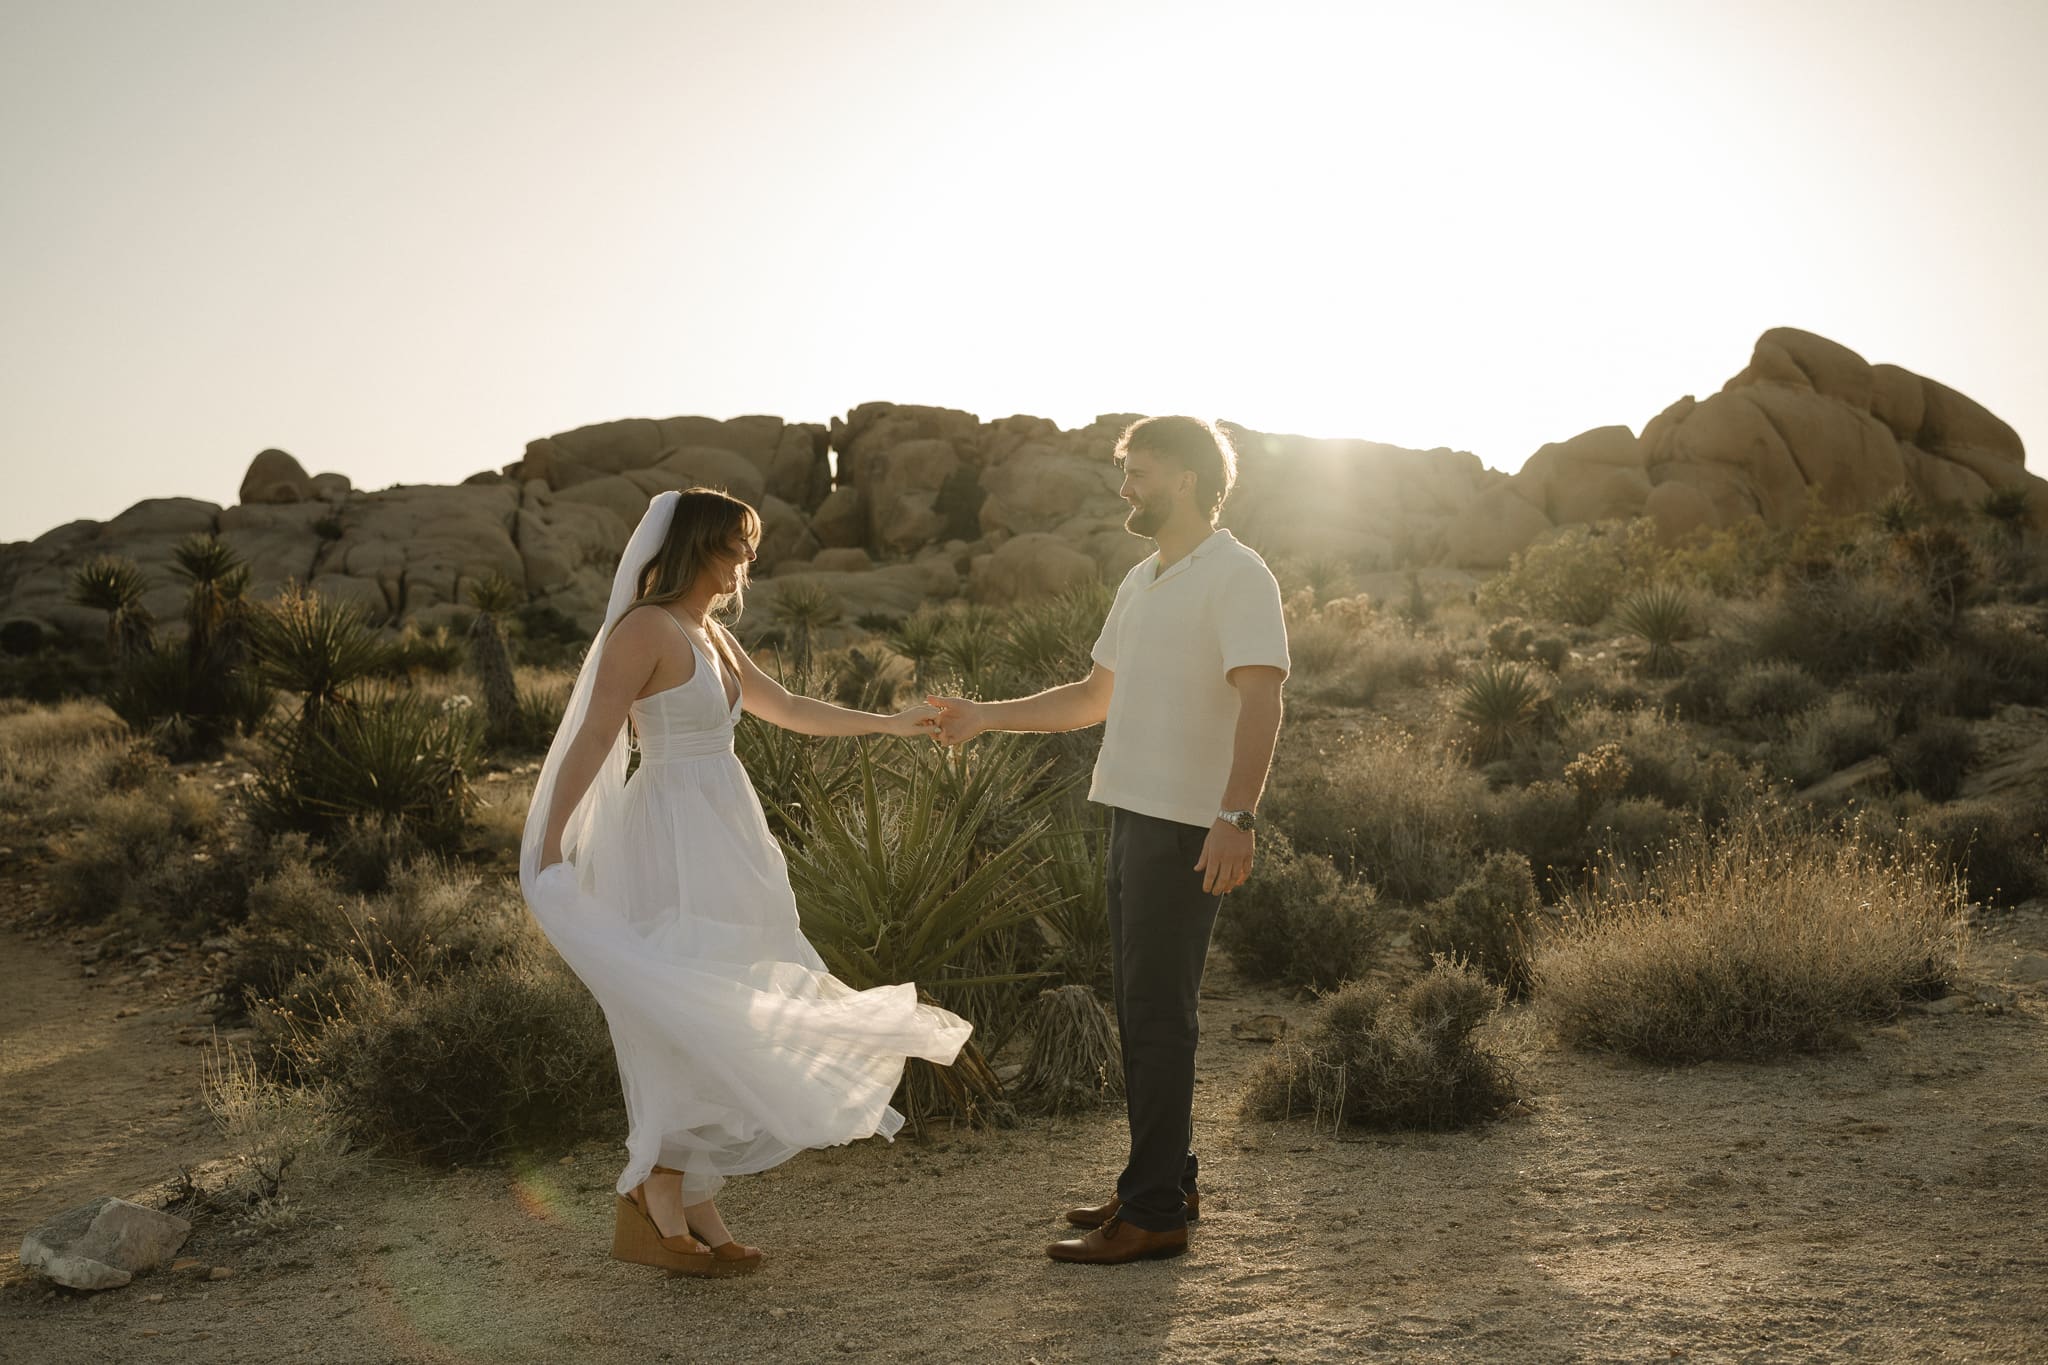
column 1243, row 819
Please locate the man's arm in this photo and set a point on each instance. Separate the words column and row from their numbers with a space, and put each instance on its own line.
column 1070, row 706
column 1227, row 853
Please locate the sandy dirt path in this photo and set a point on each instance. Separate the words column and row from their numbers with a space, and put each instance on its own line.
column 1878, row 1204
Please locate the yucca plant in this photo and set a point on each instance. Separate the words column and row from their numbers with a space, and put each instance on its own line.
column 860, row 678
column 393, row 758
column 218, row 580
column 1500, row 702
column 1899, row 513
column 801, row 609
column 1661, row 617
column 971, row 647
column 1050, row 642
column 917, row 638
column 116, row 586
column 1075, row 921
column 495, row 596
column 787, row 769
column 316, row 650
column 894, row 885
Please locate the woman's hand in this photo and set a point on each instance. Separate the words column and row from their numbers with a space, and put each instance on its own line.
column 959, row 719
column 917, row 720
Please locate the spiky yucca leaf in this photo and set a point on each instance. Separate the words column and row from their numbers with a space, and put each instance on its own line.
column 115, row 586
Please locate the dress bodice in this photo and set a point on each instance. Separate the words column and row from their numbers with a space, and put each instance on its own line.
column 689, row 720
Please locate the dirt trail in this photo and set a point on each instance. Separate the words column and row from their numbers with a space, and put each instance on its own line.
column 1877, row 1204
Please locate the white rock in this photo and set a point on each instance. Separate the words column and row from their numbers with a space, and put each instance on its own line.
column 104, row 1244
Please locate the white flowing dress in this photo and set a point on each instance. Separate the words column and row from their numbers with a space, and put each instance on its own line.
column 736, row 1048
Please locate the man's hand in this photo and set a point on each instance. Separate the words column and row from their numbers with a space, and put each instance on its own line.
column 1226, row 858
column 959, row 719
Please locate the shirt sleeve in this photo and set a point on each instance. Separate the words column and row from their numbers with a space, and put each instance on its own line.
column 1249, row 621
column 1104, row 652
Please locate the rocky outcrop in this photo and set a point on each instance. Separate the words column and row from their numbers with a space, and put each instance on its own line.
column 937, row 502
column 1809, row 423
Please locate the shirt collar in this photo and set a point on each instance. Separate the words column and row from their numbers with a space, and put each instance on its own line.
column 1216, row 538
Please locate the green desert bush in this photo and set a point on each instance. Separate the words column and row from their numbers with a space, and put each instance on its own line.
column 1489, row 921
column 1546, row 823
column 1933, row 759
column 1384, row 806
column 1390, row 1061
column 1573, row 578
column 1297, row 922
column 1996, row 852
column 1769, row 941
column 2000, row 659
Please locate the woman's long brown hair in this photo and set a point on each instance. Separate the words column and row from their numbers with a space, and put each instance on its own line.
column 705, row 523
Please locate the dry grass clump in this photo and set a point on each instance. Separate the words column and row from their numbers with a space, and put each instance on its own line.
column 283, row 1142
column 1074, row 1062
column 1385, row 807
column 1770, row 941
column 1297, row 921
column 1378, row 1060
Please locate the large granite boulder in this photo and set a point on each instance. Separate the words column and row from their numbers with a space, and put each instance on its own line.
column 1809, row 423
column 1033, row 565
column 1597, row 475
column 275, row 477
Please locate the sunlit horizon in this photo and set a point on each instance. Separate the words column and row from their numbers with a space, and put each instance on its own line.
column 400, row 244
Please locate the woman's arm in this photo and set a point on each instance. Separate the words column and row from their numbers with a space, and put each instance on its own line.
column 623, row 670
column 769, row 700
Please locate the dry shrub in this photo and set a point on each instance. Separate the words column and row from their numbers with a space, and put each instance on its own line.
column 1074, row 1062
column 1489, row 921
column 1379, row 1060
column 1771, row 691
column 1297, row 921
column 149, row 851
column 511, row 1055
column 1770, row 941
column 284, row 1142
column 1996, row 852
column 1829, row 738
column 1934, row 759
column 1839, row 625
column 435, row 919
column 1385, row 807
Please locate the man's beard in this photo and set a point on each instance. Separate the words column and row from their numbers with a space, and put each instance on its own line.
column 1145, row 519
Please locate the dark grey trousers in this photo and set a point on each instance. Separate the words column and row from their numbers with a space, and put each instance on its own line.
column 1159, row 924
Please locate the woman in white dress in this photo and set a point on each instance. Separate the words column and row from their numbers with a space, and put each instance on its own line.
column 668, row 896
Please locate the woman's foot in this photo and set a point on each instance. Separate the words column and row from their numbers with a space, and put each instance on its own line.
column 708, row 1226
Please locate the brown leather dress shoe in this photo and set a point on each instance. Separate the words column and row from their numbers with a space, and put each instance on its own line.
column 1116, row 1242
column 1095, row 1215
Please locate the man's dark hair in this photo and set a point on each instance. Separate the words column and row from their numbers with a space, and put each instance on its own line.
column 1197, row 446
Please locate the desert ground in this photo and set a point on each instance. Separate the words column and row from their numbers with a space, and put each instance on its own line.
column 1878, row 1203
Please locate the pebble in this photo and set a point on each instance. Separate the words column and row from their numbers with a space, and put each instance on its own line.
column 220, row 1272
column 2031, row 967
column 1948, row 1004
column 186, row 1265
column 152, row 1298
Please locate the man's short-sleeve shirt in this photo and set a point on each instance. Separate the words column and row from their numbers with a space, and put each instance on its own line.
column 1171, row 639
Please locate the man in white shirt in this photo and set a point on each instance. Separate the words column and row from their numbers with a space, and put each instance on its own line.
column 1188, row 672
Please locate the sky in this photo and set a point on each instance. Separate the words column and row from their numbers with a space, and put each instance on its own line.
column 400, row 240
